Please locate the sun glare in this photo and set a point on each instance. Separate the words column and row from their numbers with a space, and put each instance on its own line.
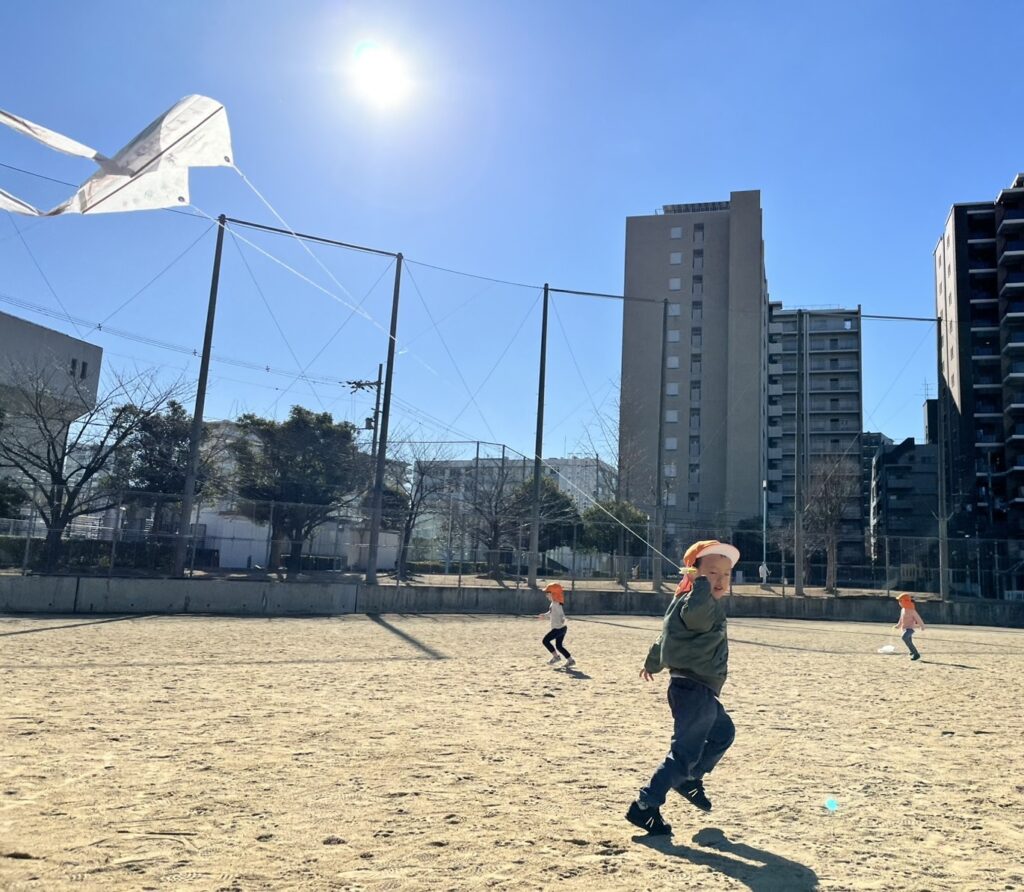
column 379, row 75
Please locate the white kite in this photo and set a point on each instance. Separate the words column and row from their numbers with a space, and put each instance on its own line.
column 150, row 172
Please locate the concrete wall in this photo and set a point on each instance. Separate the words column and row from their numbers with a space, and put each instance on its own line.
column 85, row 595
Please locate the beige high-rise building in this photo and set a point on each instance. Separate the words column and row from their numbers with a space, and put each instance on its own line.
column 706, row 261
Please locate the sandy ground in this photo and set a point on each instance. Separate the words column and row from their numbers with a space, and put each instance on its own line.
column 427, row 753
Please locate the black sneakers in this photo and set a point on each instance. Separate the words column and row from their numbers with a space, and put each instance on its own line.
column 648, row 819
column 693, row 792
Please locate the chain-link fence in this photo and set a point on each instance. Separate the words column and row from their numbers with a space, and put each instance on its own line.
column 457, row 534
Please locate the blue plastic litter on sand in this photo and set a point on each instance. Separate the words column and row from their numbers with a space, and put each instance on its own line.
column 831, row 805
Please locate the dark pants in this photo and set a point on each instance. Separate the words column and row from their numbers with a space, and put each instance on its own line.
column 701, row 733
column 557, row 636
column 908, row 640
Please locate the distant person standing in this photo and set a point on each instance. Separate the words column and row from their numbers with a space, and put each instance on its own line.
column 763, row 572
column 554, row 641
column 910, row 620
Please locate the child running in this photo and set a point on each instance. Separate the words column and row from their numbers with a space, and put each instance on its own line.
column 556, row 637
column 694, row 647
column 910, row 620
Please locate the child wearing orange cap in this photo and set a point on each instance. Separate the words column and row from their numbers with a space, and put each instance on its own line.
column 909, row 620
column 694, row 648
column 556, row 637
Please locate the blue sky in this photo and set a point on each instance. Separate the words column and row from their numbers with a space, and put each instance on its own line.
column 533, row 131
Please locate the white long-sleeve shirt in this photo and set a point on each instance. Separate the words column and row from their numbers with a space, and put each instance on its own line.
column 557, row 615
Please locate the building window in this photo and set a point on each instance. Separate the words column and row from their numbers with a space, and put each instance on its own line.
column 848, row 324
column 673, row 336
column 74, row 368
column 671, row 389
column 833, row 402
column 694, row 447
column 670, row 469
column 672, row 362
column 695, row 365
column 694, row 476
column 675, row 284
column 675, row 232
column 698, row 233
column 833, row 383
column 833, row 363
column 698, row 261
column 671, row 444
column 694, row 501
column 696, row 338
column 670, row 499
column 671, row 416
column 697, row 310
column 675, row 258
column 674, row 309
column 694, row 419
column 698, row 286
column 833, row 343
column 695, row 392
column 85, row 369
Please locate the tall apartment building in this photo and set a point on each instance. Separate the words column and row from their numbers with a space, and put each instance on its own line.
column 903, row 499
column 706, row 261
column 979, row 294
column 814, row 405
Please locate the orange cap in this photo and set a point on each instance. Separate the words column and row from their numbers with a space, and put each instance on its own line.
column 699, row 550
column 906, row 601
column 556, row 591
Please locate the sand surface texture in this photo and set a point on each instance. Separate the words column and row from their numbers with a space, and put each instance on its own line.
column 440, row 752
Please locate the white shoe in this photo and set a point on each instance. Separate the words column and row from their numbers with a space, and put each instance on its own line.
column 570, row 662
column 556, row 658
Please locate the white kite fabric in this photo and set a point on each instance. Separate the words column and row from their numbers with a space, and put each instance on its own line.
column 150, row 172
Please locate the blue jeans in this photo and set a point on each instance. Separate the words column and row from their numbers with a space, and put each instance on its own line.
column 701, row 733
column 908, row 640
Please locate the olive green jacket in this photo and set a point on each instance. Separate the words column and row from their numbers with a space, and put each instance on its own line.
column 693, row 639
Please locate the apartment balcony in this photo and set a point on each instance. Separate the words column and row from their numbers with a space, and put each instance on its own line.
column 986, row 382
column 1013, row 249
column 775, row 411
column 1015, row 371
column 842, row 347
column 822, row 369
column 1013, row 284
column 1018, row 467
column 989, row 441
column 1013, row 221
column 775, row 498
column 774, row 328
column 985, row 325
column 982, row 298
column 774, row 475
column 1014, row 343
column 775, row 455
column 842, row 388
column 774, row 390
column 1014, row 311
column 988, row 410
column 982, row 268
column 1016, row 436
column 844, row 409
column 1014, row 402
column 984, row 352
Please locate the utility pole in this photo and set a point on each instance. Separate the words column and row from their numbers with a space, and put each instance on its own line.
column 798, row 481
column 535, row 521
column 185, row 523
column 382, row 437
column 659, row 475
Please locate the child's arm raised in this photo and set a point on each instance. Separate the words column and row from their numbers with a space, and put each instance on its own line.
column 698, row 613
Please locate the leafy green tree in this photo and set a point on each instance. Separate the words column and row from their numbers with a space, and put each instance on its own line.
column 623, row 532
column 558, row 513
column 297, row 473
column 153, row 460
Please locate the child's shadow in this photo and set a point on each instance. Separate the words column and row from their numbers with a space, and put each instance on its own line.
column 575, row 673
column 770, row 872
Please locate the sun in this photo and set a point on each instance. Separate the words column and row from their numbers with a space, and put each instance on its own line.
column 379, row 75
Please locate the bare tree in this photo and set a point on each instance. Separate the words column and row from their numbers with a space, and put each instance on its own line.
column 833, row 487
column 492, row 499
column 63, row 443
column 423, row 480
